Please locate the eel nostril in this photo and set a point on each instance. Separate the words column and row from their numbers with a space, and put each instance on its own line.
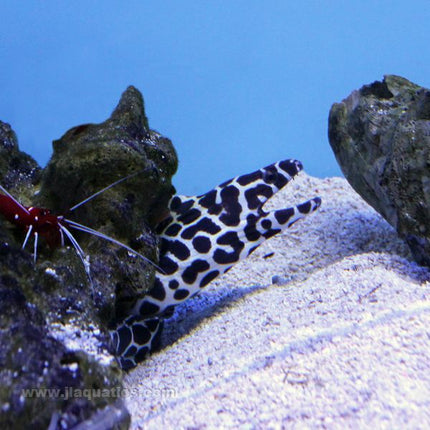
column 299, row 165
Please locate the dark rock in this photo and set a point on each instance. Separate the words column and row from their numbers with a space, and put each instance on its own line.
column 17, row 169
column 54, row 319
column 380, row 135
column 90, row 157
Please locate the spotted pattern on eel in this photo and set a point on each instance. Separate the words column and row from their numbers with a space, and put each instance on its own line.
column 203, row 238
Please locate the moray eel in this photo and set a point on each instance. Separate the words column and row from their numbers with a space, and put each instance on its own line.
column 204, row 237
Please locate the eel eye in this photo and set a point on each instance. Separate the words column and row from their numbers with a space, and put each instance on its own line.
column 270, row 177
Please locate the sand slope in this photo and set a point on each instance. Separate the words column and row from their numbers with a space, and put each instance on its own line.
column 331, row 330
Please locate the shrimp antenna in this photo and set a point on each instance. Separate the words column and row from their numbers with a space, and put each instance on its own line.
column 84, row 228
column 105, row 189
column 78, row 249
column 14, row 199
column 89, row 230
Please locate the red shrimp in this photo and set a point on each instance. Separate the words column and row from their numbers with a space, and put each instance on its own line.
column 41, row 222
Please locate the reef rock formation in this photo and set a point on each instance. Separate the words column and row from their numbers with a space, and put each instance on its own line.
column 380, row 135
column 56, row 364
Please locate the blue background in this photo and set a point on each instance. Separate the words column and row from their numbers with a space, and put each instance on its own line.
column 235, row 84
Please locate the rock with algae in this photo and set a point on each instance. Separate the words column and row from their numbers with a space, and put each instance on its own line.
column 380, row 135
column 56, row 363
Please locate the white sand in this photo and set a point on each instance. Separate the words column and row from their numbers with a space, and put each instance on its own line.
column 341, row 340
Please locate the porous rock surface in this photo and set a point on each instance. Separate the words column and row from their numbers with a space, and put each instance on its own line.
column 54, row 318
column 380, row 135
